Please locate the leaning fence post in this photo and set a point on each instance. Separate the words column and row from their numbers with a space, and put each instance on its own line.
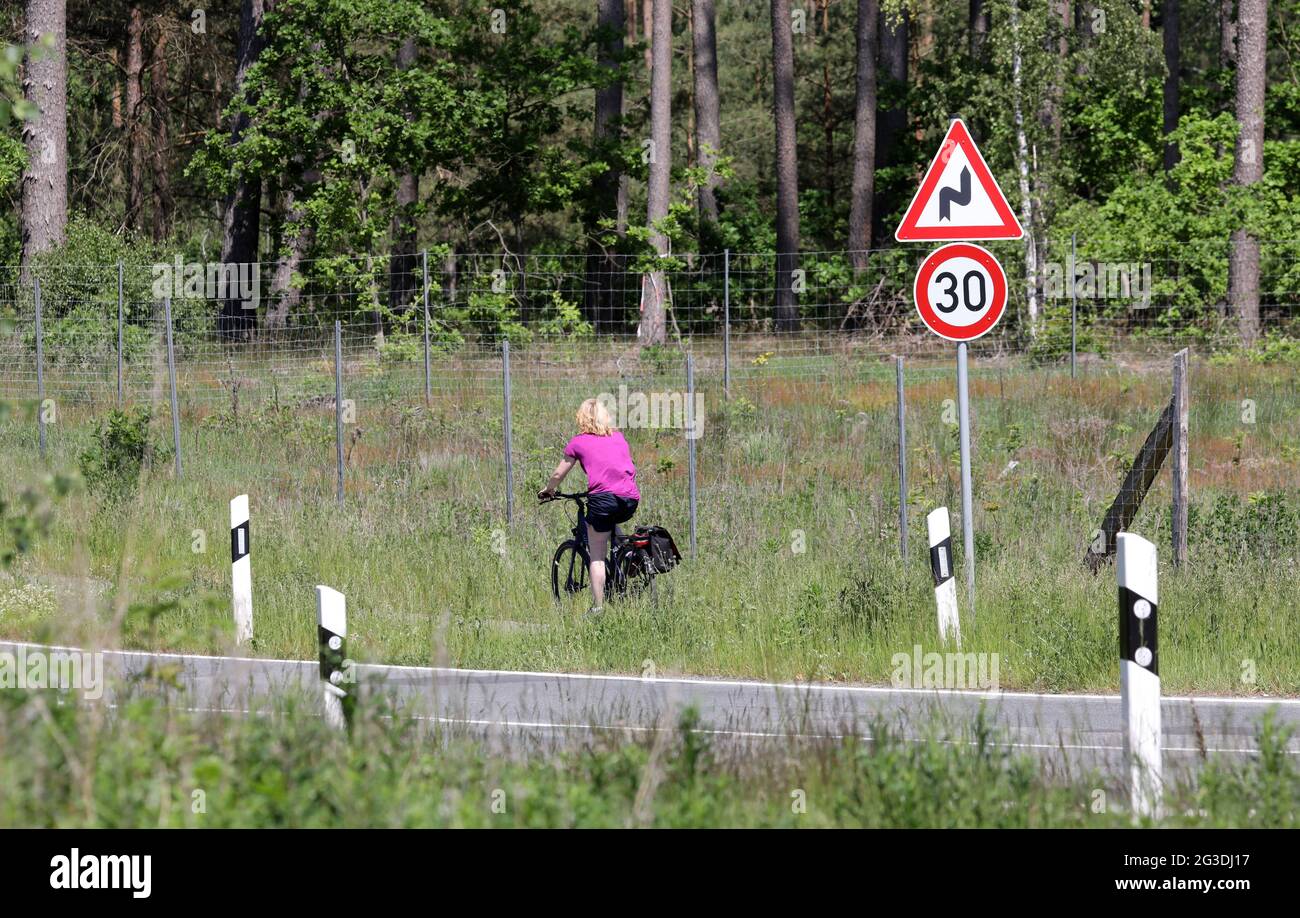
column 1179, row 452
column 726, row 323
column 1074, row 300
column 332, row 632
column 40, row 371
column 1139, row 670
column 428, row 385
column 338, row 405
column 171, row 374
column 510, row 471
column 902, row 459
column 692, row 433
column 241, row 571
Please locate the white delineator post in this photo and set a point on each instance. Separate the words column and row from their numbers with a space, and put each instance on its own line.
column 332, row 631
column 1139, row 669
column 241, row 570
column 945, row 585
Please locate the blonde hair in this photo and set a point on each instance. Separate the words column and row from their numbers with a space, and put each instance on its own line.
column 593, row 418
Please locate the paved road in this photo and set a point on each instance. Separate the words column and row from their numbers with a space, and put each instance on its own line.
column 547, row 710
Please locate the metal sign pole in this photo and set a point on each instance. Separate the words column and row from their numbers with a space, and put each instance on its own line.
column 967, row 514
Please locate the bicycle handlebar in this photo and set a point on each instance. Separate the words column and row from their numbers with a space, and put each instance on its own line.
column 558, row 495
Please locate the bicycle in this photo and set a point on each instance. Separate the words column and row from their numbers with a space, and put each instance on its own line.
column 629, row 567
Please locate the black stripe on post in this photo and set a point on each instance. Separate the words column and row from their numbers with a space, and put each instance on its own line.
column 333, row 652
column 239, row 541
column 1137, row 630
column 941, row 561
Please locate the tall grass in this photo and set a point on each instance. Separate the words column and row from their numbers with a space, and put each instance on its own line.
column 148, row 763
column 802, row 456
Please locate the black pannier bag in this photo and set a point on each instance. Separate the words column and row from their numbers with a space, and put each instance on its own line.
column 664, row 555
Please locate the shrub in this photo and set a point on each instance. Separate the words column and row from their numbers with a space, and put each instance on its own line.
column 111, row 464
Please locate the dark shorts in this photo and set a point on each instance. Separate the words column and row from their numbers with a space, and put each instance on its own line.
column 605, row 511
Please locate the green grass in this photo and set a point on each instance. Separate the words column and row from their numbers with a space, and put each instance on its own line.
column 803, row 453
column 148, row 764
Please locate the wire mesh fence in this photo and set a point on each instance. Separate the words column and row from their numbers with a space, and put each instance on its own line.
column 420, row 338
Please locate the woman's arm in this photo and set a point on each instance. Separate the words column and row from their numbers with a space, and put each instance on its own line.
column 561, row 470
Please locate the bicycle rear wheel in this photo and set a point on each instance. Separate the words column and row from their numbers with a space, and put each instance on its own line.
column 568, row 570
column 636, row 573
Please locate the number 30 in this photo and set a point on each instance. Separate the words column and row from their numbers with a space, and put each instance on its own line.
column 951, row 292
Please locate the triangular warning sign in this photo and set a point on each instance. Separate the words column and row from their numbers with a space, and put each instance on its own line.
column 958, row 198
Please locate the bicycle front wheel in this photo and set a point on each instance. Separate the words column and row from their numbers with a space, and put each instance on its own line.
column 568, row 570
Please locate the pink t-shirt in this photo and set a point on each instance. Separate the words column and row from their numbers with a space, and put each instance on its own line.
column 607, row 462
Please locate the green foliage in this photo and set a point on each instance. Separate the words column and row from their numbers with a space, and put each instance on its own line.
column 1266, row 525
column 1275, row 347
column 27, row 515
column 1051, row 342
column 85, row 337
column 83, row 271
column 111, row 465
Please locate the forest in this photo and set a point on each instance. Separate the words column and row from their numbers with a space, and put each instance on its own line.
column 340, row 145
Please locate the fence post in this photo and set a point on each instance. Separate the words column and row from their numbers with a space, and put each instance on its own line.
column 241, row 570
column 902, row 459
column 726, row 324
column 428, row 386
column 338, row 405
column 1179, row 453
column 40, row 371
column 510, row 470
column 171, row 374
column 1074, row 301
column 691, row 433
column 120, row 333
column 331, row 633
column 1139, row 669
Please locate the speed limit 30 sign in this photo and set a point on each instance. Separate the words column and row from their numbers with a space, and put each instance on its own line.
column 960, row 291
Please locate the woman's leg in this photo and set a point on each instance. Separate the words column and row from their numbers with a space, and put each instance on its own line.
column 598, row 548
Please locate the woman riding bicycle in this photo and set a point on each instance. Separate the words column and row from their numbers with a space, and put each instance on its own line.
column 611, row 483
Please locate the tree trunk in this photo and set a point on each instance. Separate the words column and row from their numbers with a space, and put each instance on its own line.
column 980, row 21
column 160, row 103
column 1053, row 99
column 1022, row 166
column 241, row 213
column 402, row 266
column 828, row 107
column 135, row 133
column 647, row 30
column 1169, row 26
column 286, row 296
column 1227, row 35
column 115, row 98
column 45, row 85
column 1243, row 269
column 708, row 124
column 609, row 191
column 864, row 136
column 654, row 293
column 787, row 167
column 893, row 120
